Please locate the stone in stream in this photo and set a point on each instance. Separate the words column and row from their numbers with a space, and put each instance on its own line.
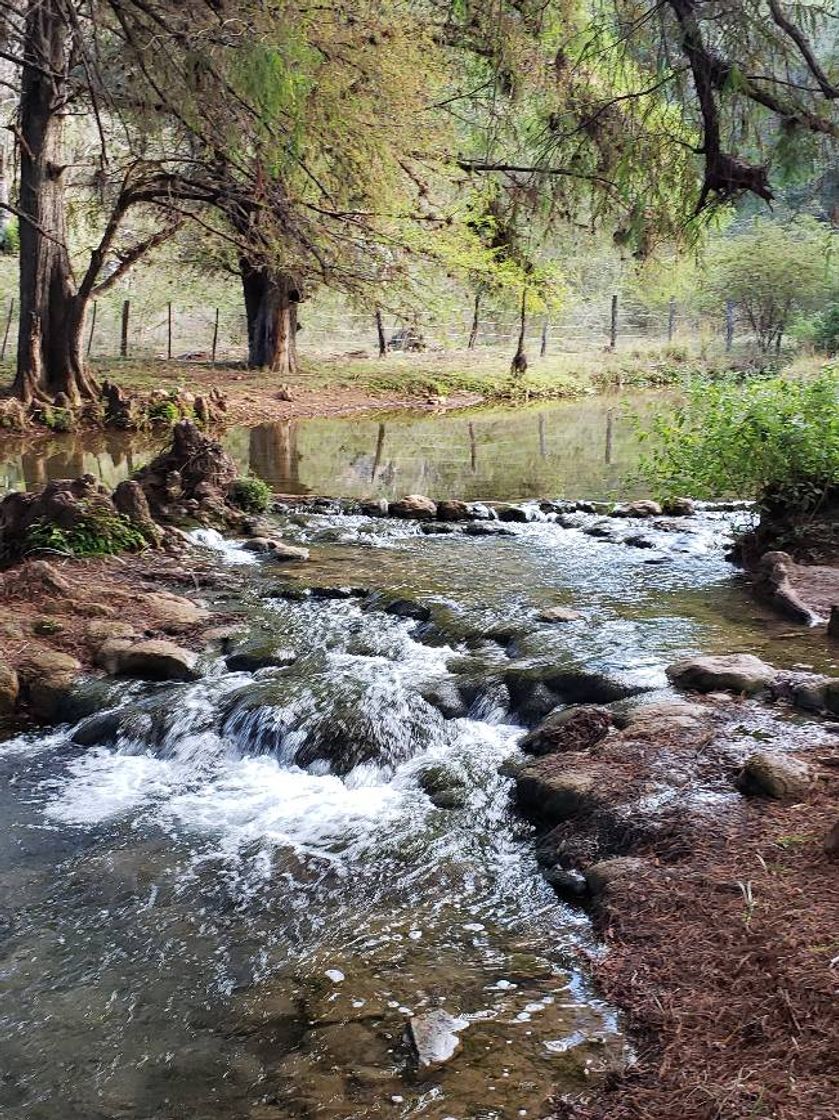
column 775, row 775
column 173, row 612
column 486, row 529
column 408, row 608
column 773, row 582
column 559, row 614
column 551, row 790
column 734, row 672
column 642, row 508
column 453, row 510
column 515, row 513
column 679, row 507
column 155, row 660
column 437, row 528
column 286, row 553
column 443, row 786
column 47, row 678
column 571, row 729
column 377, row 508
column 434, row 1036
column 445, row 696
column 256, row 654
column 415, row 507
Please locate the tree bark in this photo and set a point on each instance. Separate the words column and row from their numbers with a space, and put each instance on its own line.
column 271, row 307
column 518, row 366
column 50, row 357
column 476, row 321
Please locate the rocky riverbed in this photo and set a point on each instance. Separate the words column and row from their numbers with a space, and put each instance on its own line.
column 336, row 814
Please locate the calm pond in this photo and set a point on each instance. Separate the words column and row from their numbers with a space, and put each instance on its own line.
column 576, row 449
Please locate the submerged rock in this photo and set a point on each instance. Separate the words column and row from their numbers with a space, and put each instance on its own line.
column 408, row 608
column 775, row 775
column 572, row 729
column 256, row 654
column 733, row 672
column 434, row 1036
column 559, row 614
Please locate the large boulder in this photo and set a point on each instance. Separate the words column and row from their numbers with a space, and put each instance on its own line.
column 173, row 612
column 414, row 507
column 773, row 582
column 47, row 677
column 775, row 775
column 734, row 672
column 552, row 791
column 572, row 729
column 453, row 510
column 154, row 660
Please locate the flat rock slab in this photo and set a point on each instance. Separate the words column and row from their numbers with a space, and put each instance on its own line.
column 553, row 790
column 434, row 1036
column 154, row 660
column 733, row 672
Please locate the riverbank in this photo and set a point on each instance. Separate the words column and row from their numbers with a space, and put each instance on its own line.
column 352, row 384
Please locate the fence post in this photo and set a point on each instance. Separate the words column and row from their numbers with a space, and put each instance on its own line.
column 380, row 331
column 8, row 327
column 92, row 327
column 215, row 339
column 729, row 325
column 123, row 338
column 671, row 320
column 169, row 331
column 613, row 327
column 543, row 346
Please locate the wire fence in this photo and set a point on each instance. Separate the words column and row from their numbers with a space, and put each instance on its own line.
column 133, row 329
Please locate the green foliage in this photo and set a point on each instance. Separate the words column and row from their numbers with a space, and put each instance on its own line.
column 250, row 494
column 772, row 271
column 57, row 419
column 164, row 412
column 824, row 330
column 98, row 532
column 10, row 239
column 771, row 438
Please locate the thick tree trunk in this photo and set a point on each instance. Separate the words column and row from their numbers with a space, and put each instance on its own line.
column 50, row 360
column 271, row 306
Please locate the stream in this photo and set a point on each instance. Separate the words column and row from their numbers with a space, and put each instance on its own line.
column 226, row 898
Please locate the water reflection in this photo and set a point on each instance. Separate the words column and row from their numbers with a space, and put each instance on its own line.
column 575, row 449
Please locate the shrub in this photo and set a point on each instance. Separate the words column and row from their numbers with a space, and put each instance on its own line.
column 97, row 532
column 249, row 494
column 10, row 238
column 825, row 330
column 772, row 440
column 57, row 419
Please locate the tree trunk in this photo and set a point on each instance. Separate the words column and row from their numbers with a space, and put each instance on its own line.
column 50, row 360
column 271, row 306
column 476, row 321
column 518, row 366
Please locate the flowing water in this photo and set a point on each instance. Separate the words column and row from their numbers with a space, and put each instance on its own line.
column 224, row 899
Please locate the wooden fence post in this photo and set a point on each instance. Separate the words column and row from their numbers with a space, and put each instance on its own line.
column 543, row 346
column 613, row 327
column 729, row 325
column 169, row 331
column 92, row 327
column 8, row 328
column 123, row 338
column 215, row 339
